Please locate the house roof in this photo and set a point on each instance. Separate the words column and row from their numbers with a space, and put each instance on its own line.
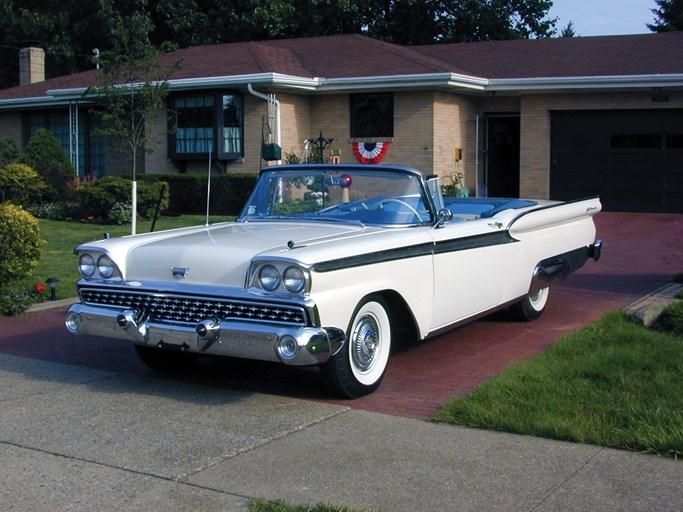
column 349, row 62
column 640, row 54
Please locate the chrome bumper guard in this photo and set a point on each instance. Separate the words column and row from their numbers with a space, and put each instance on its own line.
column 296, row 346
column 556, row 269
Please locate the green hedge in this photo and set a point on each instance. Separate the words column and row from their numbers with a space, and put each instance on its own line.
column 101, row 201
column 229, row 192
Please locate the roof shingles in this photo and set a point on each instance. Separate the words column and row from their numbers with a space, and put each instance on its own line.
column 353, row 56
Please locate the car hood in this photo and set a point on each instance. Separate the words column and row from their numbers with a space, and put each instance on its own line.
column 219, row 254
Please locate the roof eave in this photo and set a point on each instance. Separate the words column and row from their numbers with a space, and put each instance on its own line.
column 559, row 84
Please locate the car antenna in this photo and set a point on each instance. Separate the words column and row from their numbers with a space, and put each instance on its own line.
column 208, row 188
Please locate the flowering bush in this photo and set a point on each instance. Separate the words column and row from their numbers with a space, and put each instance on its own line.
column 14, row 301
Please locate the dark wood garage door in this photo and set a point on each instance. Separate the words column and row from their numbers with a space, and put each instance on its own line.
column 633, row 159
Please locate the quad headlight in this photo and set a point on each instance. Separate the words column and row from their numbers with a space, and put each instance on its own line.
column 86, row 265
column 269, row 278
column 294, row 279
column 94, row 266
column 280, row 277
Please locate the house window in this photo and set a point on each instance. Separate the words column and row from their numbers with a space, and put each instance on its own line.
column 207, row 123
column 90, row 148
column 372, row 115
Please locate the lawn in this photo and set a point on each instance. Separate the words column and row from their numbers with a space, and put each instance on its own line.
column 57, row 256
column 613, row 383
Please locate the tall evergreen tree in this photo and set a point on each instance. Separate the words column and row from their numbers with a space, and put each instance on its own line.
column 668, row 16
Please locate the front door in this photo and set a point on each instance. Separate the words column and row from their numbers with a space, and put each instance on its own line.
column 502, row 156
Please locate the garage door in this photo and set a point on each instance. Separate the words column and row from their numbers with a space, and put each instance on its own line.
column 633, row 159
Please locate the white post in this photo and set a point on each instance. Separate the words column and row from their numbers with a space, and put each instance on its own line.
column 134, row 213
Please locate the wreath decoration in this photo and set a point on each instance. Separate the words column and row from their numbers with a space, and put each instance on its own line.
column 370, row 152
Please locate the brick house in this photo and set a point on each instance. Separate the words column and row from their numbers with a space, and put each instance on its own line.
column 550, row 118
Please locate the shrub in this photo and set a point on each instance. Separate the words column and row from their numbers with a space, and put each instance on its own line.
column 19, row 242
column 671, row 319
column 52, row 211
column 8, row 151
column 96, row 200
column 21, row 184
column 120, row 213
column 46, row 155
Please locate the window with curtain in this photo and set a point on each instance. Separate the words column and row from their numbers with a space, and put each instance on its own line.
column 211, row 122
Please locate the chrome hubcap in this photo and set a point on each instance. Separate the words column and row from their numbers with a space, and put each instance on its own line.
column 364, row 343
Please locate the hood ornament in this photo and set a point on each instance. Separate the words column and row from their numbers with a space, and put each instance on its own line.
column 180, row 272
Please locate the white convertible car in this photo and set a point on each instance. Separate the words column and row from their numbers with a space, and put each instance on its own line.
column 327, row 265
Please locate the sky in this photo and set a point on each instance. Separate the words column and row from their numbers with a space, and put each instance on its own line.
column 604, row 17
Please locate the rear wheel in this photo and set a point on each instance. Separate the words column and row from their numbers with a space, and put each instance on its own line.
column 359, row 367
column 531, row 306
column 164, row 361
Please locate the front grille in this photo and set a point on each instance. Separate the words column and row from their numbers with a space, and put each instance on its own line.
column 192, row 309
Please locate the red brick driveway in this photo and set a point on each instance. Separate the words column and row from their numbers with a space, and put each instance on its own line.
column 641, row 253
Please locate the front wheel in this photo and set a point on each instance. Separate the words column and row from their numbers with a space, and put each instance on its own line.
column 531, row 306
column 358, row 368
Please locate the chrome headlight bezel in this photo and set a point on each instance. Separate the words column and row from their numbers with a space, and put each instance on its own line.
column 97, row 265
column 279, row 277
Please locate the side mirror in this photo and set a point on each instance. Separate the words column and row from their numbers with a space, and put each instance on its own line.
column 442, row 216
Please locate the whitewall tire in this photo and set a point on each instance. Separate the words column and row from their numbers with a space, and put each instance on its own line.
column 359, row 367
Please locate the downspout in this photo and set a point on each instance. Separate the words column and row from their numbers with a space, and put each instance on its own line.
column 270, row 99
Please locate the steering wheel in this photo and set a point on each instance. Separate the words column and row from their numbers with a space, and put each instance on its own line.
column 402, row 203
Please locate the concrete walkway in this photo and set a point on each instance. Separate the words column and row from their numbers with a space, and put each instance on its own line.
column 85, row 426
column 73, row 438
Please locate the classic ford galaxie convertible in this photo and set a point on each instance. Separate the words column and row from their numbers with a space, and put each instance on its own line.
column 327, row 265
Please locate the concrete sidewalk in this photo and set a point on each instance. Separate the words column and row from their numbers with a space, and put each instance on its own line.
column 84, row 439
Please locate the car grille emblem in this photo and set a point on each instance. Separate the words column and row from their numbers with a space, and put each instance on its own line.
column 179, row 272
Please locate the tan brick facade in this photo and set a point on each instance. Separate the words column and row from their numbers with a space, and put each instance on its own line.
column 428, row 127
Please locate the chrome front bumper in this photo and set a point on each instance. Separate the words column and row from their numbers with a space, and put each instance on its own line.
column 297, row 346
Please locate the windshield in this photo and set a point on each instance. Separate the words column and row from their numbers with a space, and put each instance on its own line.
column 375, row 197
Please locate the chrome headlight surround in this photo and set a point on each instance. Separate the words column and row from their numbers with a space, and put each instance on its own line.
column 281, row 277
column 95, row 265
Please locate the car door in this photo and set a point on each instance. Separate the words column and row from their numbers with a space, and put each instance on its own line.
column 472, row 259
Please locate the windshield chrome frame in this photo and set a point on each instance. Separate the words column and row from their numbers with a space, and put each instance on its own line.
column 337, row 168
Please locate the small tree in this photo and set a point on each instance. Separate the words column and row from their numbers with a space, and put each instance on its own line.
column 133, row 89
column 46, row 155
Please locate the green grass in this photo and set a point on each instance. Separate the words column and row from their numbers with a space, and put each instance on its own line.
column 57, row 257
column 614, row 384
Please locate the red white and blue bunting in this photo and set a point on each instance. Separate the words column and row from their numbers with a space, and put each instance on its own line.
column 370, row 152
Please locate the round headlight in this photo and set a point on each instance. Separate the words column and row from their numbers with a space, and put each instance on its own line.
column 86, row 265
column 105, row 267
column 294, row 279
column 269, row 278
